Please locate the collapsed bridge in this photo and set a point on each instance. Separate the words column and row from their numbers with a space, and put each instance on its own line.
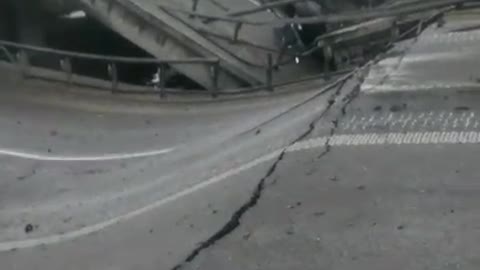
column 254, row 41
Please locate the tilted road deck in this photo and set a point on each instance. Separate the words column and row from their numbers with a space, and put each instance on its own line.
column 165, row 33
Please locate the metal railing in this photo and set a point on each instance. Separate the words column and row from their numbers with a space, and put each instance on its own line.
column 20, row 55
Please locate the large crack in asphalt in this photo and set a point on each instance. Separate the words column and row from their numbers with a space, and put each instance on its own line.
column 347, row 100
column 350, row 97
column 235, row 220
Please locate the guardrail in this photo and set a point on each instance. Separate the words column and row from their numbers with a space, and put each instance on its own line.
column 19, row 55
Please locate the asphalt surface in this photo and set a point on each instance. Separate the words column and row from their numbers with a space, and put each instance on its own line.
column 78, row 157
column 366, row 203
column 372, row 177
column 65, row 181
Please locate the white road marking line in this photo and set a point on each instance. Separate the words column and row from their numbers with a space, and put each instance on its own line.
column 411, row 138
column 106, row 157
column 58, row 238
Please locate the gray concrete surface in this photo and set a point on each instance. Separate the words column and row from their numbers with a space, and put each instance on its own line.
column 386, row 182
column 378, row 207
column 368, row 203
column 169, row 34
column 362, row 180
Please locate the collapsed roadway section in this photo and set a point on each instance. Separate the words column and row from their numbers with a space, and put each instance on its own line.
column 165, row 31
column 256, row 42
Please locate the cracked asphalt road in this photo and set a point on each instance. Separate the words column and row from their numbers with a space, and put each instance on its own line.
column 394, row 204
column 374, row 203
column 70, row 208
column 348, row 180
column 334, row 98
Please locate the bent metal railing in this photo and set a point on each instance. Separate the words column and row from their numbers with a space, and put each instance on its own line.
column 19, row 56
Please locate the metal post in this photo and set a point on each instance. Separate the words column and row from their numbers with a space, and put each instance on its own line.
column 395, row 32
column 419, row 28
column 238, row 27
column 328, row 56
column 141, row 27
column 215, row 69
column 66, row 65
column 7, row 54
column 269, row 75
column 109, row 7
column 282, row 52
column 23, row 62
column 194, row 6
column 162, row 77
column 441, row 21
column 113, row 72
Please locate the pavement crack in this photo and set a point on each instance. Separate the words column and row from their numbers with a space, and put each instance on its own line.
column 235, row 220
column 347, row 100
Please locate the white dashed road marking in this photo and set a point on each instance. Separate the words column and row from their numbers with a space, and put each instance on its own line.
column 453, row 137
column 384, row 88
column 409, row 122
